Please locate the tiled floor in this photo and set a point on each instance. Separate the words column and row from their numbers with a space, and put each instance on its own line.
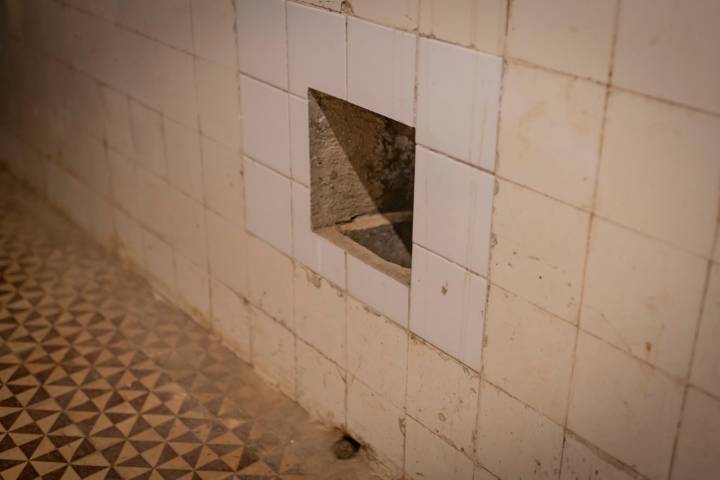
column 100, row 379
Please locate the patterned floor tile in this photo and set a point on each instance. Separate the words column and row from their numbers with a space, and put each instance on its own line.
column 100, row 379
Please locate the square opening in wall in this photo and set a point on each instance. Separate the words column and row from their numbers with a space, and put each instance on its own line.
column 362, row 166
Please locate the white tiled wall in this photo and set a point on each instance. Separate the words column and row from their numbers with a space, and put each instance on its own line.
column 561, row 317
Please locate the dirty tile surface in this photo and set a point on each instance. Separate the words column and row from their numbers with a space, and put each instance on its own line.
column 99, row 378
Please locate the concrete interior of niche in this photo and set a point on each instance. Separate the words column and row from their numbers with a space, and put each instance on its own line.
column 362, row 167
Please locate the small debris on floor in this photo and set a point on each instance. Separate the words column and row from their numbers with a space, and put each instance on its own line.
column 346, row 447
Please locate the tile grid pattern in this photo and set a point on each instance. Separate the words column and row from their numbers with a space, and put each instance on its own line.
column 539, row 64
column 99, row 378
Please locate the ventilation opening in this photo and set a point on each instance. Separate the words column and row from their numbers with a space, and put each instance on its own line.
column 362, row 167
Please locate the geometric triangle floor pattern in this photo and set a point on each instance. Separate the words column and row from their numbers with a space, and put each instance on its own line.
column 99, row 379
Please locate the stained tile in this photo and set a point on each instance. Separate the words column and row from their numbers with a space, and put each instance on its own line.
column 668, row 48
column 658, row 171
column 550, row 133
column 442, row 394
column 513, row 440
column 529, row 353
column 429, row 456
column 705, row 371
column 539, row 250
column 574, row 37
column 699, row 434
column 625, row 407
column 377, row 422
column 320, row 317
column 477, row 23
column 377, row 352
column 626, row 303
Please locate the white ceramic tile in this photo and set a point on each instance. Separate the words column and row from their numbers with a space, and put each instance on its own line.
column 102, row 226
column 116, row 119
column 316, row 50
column 165, row 20
column 223, row 181
column 85, row 157
column 267, row 201
column 381, row 69
column 573, row 37
column 429, row 456
column 377, row 422
column 158, row 193
column 442, row 394
column 299, row 140
column 381, row 292
column 129, row 240
column 159, row 260
column 477, row 23
column 696, row 455
column 672, row 40
column 458, row 102
column 193, row 287
column 320, row 317
column 320, row 385
column 581, row 461
column 218, row 102
column 231, row 318
column 273, row 352
column 706, row 362
column 125, row 184
column 140, row 76
column 540, row 249
column 624, row 407
column 262, row 41
column 401, row 14
column 514, row 441
column 266, row 124
column 642, row 296
column 187, row 232
column 529, row 353
column 447, row 306
column 452, row 210
column 214, row 30
column 659, row 171
column 178, row 92
column 147, row 134
column 182, row 151
column 227, row 252
column 83, row 100
column 550, row 133
column 377, row 352
column 312, row 250
column 271, row 281
column 70, row 195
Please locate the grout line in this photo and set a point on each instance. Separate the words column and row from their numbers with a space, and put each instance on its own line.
column 606, row 457
column 203, row 193
column 703, row 301
column 429, row 36
column 591, row 223
column 347, row 341
column 604, row 218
